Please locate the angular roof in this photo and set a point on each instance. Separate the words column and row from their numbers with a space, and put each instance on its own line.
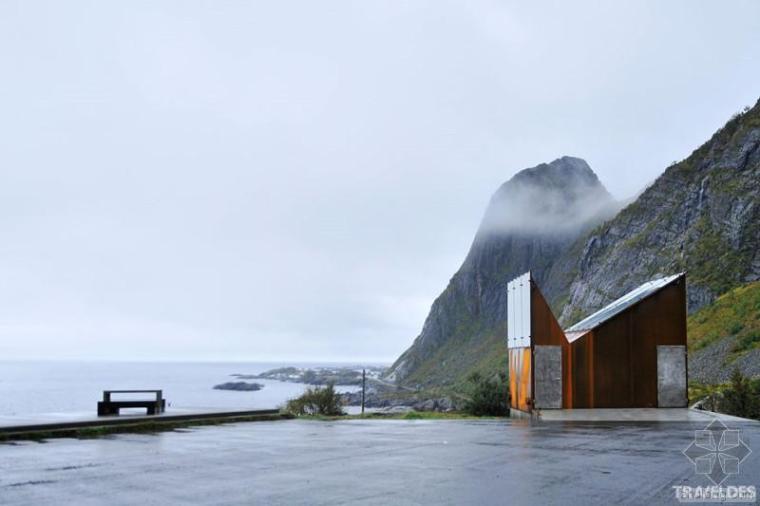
column 620, row 305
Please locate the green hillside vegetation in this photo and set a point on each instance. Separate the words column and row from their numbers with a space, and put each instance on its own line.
column 480, row 352
column 735, row 313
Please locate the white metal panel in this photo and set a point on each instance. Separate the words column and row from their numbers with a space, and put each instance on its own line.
column 525, row 285
column 509, row 314
column 518, row 312
column 520, row 304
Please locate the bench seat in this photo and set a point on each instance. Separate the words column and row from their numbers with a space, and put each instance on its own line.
column 111, row 407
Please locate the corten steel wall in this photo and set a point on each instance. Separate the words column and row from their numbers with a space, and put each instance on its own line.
column 546, row 331
column 615, row 365
column 520, row 378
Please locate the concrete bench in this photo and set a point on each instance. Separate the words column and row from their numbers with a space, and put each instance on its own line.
column 111, row 407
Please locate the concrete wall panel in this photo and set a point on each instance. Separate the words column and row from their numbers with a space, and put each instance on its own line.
column 671, row 376
column 547, row 363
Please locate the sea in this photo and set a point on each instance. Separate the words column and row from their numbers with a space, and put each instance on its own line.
column 59, row 390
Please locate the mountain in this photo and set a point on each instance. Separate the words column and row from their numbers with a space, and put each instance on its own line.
column 530, row 221
column 702, row 216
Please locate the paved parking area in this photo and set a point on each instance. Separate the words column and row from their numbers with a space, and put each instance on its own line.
column 366, row 462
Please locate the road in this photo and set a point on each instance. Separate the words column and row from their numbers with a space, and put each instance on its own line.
column 365, row 462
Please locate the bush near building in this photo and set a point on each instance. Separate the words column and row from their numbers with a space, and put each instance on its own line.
column 317, row 401
column 488, row 396
column 742, row 397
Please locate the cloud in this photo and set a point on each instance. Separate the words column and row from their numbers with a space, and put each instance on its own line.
column 290, row 181
column 557, row 198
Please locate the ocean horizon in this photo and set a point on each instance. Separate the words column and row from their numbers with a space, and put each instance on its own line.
column 60, row 389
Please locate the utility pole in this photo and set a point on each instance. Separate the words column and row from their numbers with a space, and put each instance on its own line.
column 364, row 382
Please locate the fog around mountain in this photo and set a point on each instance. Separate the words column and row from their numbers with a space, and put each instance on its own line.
column 555, row 198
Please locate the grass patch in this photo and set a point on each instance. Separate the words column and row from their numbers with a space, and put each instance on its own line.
column 139, row 427
column 409, row 415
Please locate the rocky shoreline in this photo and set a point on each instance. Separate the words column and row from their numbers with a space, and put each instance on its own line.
column 379, row 394
column 389, row 402
column 345, row 376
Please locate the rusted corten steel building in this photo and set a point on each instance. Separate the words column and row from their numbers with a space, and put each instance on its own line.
column 631, row 353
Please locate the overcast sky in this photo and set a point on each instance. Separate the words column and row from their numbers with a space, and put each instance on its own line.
column 299, row 180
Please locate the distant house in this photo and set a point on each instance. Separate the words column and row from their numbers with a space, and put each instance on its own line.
column 629, row 354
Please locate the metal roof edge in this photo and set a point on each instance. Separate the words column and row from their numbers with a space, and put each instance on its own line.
column 580, row 331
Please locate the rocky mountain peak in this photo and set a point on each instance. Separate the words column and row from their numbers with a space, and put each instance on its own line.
column 529, row 222
column 561, row 197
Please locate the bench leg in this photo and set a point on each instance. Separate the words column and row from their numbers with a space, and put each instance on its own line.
column 104, row 409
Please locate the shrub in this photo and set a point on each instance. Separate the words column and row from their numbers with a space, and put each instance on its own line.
column 742, row 397
column 488, row 396
column 746, row 342
column 317, row 401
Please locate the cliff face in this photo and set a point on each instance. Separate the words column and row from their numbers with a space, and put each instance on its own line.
column 702, row 216
column 530, row 222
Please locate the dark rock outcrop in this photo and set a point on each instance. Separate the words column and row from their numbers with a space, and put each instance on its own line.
column 240, row 386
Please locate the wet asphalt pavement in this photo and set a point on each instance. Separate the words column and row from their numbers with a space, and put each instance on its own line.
column 366, row 462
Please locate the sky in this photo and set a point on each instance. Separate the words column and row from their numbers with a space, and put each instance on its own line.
column 298, row 181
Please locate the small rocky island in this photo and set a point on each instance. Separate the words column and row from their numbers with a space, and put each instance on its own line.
column 240, row 386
